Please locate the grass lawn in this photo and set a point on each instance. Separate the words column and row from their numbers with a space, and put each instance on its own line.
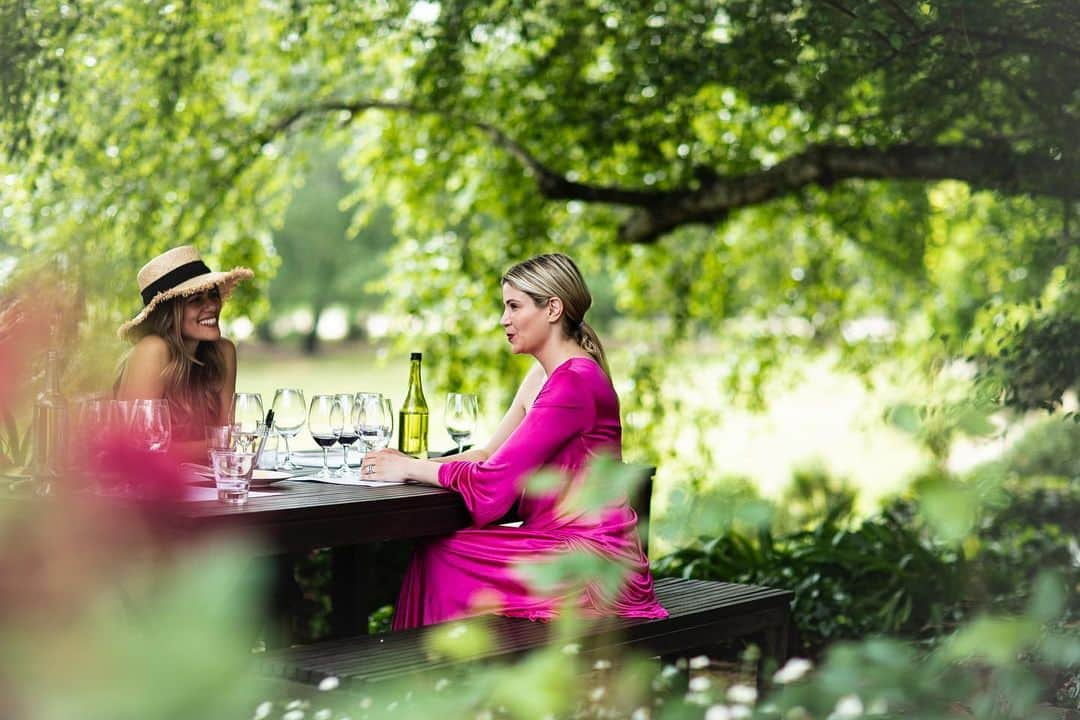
column 826, row 418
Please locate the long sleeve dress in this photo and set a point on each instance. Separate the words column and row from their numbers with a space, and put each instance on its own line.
column 575, row 417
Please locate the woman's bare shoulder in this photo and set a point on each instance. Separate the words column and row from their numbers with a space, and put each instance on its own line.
column 150, row 349
column 227, row 348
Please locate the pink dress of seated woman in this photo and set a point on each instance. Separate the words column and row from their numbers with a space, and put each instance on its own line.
column 573, row 419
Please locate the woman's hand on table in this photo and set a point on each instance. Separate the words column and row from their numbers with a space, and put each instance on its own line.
column 388, row 465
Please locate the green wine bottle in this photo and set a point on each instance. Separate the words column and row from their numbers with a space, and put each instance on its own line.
column 413, row 418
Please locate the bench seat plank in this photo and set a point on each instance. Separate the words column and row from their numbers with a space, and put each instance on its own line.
column 702, row 614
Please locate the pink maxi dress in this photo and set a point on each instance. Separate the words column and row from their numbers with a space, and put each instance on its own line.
column 574, row 418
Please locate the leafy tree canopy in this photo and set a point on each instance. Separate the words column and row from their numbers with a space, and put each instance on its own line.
column 883, row 176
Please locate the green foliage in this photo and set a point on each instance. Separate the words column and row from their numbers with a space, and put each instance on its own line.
column 193, row 624
column 850, row 580
column 15, row 446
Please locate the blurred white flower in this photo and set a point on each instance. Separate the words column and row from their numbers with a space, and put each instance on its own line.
column 847, row 708
column 602, row 665
column 293, row 715
column 718, row 712
column 699, row 663
column 597, row 693
column 571, row 649
column 441, row 684
column 323, row 714
column 742, row 694
column 295, row 704
column 699, row 684
column 878, row 707
column 329, row 683
column 740, row 712
column 263, row 711
column 640, row 714
column 793, row 670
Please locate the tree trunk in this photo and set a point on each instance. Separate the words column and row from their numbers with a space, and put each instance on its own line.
column 310, row 344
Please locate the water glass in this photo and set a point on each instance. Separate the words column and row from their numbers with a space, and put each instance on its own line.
column 268, row 460
column 232, row 475
column 220, row 437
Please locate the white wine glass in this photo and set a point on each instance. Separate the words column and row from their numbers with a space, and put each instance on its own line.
column 325, row 423
column 247, row 415
column 462, row 410
column 151, row 425
column 386, row 426
column 290, row 412
column 368, row 419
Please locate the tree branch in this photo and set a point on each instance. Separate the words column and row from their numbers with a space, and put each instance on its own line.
column 654, row 213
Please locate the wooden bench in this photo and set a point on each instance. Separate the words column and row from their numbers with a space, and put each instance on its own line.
column 703, row 616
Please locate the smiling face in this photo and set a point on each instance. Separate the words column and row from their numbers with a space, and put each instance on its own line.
column 200, row 318
column 528, row 325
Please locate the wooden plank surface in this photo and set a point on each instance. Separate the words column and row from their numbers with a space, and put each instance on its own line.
column 299, row 515
column 699, row 611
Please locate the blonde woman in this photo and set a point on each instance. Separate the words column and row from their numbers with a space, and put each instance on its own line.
column 179, row 354
column 565, row 413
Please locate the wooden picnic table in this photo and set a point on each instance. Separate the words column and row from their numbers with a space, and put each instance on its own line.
column 300, row 516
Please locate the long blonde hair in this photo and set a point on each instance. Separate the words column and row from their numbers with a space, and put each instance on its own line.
column 193, row 381
column 555, row 275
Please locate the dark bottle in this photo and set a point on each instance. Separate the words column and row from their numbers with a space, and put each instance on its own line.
column 413, row 418
column 50, row 423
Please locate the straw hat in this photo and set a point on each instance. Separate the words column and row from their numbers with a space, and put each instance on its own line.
column 178, row 273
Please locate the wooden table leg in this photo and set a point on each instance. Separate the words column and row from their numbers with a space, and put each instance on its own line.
column 352, row 585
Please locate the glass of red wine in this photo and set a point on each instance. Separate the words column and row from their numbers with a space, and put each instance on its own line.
column 348, row 435
column 325, row 422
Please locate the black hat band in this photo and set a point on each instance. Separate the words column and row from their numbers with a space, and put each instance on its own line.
column 174, row 277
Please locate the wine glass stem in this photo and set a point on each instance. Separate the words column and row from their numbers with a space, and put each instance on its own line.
column 325, row 465
column 288, row 455
column 344, row 459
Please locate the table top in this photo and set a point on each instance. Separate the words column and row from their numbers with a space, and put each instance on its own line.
column 299, row 515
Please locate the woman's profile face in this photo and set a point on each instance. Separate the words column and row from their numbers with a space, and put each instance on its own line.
column 526, row 324
column 201, row 316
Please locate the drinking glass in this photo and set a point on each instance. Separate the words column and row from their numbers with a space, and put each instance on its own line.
column 121, row 413
column 462, row 410
column 247, row 415
column 325, row 423
column 151, row 425
column 290, row 411
column 92, row 418
column 232, row 475
column 348, row 433
column 220, row 437
column 371, row 418
column 386, row 426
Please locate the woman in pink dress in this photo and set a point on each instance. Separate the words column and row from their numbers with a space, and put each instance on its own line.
column 565, row 414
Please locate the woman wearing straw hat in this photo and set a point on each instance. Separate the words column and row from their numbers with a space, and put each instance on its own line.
column 179, row 353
